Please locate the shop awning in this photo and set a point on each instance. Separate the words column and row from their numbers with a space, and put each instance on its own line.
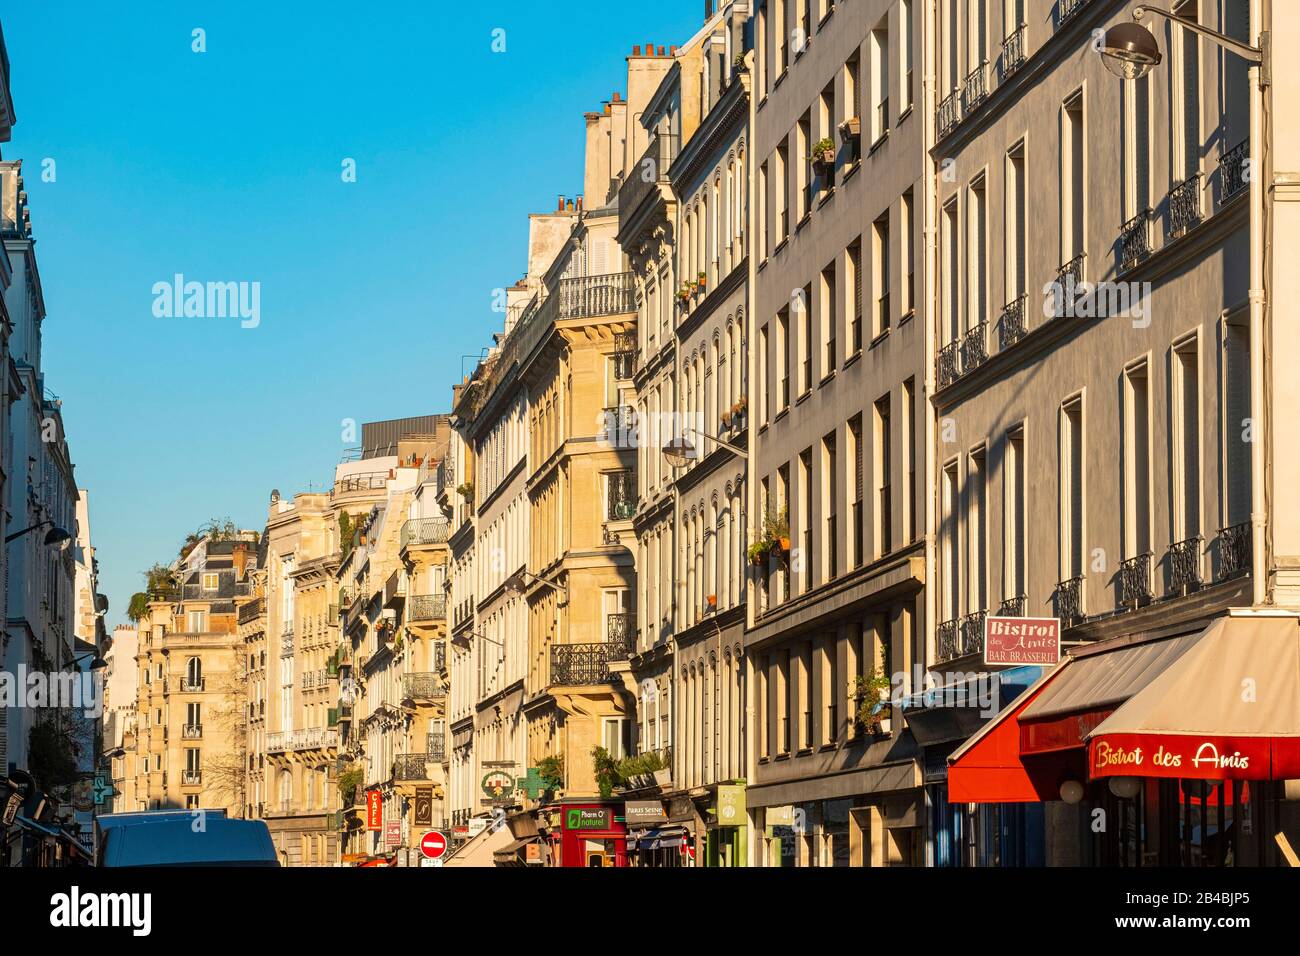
column 1227, row 709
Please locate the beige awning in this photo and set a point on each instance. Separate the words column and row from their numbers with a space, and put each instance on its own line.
column 1227, row 708
column 480, row 850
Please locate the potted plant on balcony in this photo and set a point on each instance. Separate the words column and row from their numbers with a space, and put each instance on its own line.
column 726, row 419
column 776, row 528
column 684, row 293
column 871, row 695
column 851, row 127
column 466, row 491
column 738, row 61
column 823, row 152
column 701, row 283
column 758, row 552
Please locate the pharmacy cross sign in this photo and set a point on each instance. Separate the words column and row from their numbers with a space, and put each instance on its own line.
column 533, row 785
column 102, row 790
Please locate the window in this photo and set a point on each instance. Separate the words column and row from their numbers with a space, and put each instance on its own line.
column 1013, row 515
column 196, row 622
column 951, row 275
column 783, row 345
column 977, row 267
column 764, row 237
column 909, row 436
column 1137, row 146
column 1016, row 241
column 803, row 146
column 1187, row 446
column 855, row 305
column 883, row 467
column 616, row 736
column 857, row 555
column 211, row 581
column 765, row 358
column 905, row 53
column 828, row 319
column 830, row 497
column 806, row 516
column 1237, row 425
column 1072, row 489
column 909, row 256
column 1073, row 240
column 976, row 530
column 880, row 274
column 880, row 81
column 1186, row 98
column 782, row 173
column 1137, row 461
column 948, row 543
column 804, row 300
column 194, row 672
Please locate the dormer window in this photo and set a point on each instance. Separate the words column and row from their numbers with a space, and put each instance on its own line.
column 211, row 581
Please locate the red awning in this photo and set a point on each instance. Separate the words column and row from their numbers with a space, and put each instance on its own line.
column 1227, row 709
column 988, row 768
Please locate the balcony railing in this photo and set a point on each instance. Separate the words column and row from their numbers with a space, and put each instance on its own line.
column 620, row 628
column 974, row 348
column 423, row 686
column 947, row 640
column 1011, row 326
column 1066, row 10
column 1184, row 205
column 1185, row 565
column 192, row 685
column 192, row 732
column 1069, row 280
column 191, row 778
column 972, row 633
column 1234, row 550
column 437, row 747
column 1068, row 599
column 424, row 531
column 426, row 607
column 975, row 89
column 252, row 610
column 948, row 364
column 370, row 481
column 286, row 643
column 1135, row 580
column 1013, row 53
column 1013, row 606
column 618, row 426
column 949, row 114
column 649, row 172
column 1234, row 168
column 580, row 664
column 1135, row 240
column 412, row 766
column 314, row 738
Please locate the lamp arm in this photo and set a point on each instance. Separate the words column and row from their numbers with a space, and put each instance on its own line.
column 734, row 449
column 1244, row 50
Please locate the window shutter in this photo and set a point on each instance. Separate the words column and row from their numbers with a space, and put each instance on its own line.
column 1237, row 364
column 1191, row 444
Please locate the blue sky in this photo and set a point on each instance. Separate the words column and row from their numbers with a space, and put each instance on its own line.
column 225, row 166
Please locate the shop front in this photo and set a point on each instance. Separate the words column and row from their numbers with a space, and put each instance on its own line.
column 1171, row 751
column 587, row 833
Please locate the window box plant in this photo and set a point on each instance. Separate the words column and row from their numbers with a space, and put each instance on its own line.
column 851, row 128
column 871, row 696
column 701, row 283
column 823, row 152
column 466, row 491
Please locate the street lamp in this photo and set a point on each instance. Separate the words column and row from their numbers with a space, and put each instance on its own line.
column 55, row 535
column 680, row 452
column 1130, row 51
column 97, row 663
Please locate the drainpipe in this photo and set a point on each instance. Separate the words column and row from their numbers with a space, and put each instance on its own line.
column 1260, row 262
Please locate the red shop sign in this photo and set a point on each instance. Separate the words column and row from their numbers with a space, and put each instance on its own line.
column 1188, row 757
column 374, row 810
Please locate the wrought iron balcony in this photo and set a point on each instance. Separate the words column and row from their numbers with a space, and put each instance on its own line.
column 192, row 685
column 191, row 778
column 1233, row 169
column 1067, row 10
column 580, row 664
column 1185, row 565
column 1234, row 550
column 972, row 633
column 412, row 766
column 947, row 640
column 974, row 348
column 1135, row 580
column 192, row 732
column 1068, row 600
column 423, row 686
column 424, row 531
column 1069, row 279
column 1184, row 205
column 948, row 364
column 618, row 426
column 1013, row 53
column 620, row 628
column 1135, row 240
column 1013, row 606
column 650, row 171
column 1011, row 326
column 437, row 747
column 949, row 114
column 286, row 643
column 252, row 610
column 426, row 607
column 975, row 89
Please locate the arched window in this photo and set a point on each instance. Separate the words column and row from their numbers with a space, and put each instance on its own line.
column 194, row 672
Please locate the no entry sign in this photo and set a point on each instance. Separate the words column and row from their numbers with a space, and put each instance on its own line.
column 433, row 844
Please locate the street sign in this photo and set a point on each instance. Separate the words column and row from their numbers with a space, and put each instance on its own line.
column 433, row 844
column 424, row 806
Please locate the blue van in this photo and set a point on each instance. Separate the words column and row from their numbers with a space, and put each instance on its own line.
column 171, row 838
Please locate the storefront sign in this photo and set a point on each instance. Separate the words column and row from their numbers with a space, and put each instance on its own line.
column 731, row 806
column 1178, row 756
column 498, row 784
column 393, row 833
column 533, row 853
column 588, row 818
column 424, row 806
column 1022, row 640
column 644, row 812
column 374, row 810
column 782, row 816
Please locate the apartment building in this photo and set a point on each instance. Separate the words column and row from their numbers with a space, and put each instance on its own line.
column 682, row 220
column 1108, row 315
column 297, row 689
column 190, row 746
column 121, row 684
column 836, row 488
column 455, row 492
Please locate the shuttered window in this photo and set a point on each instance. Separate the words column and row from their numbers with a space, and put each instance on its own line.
column 1237, row 413
column 1072, row 497
column 1189, row 443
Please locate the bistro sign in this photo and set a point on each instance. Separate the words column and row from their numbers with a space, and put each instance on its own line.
column 1187, row 757
column 1022, row 640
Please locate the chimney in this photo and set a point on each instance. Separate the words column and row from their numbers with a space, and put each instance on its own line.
column 560, row 207
column 661, row 50
column 239, row 558
column 618, row 98
column 636, row 50
column 579, row 204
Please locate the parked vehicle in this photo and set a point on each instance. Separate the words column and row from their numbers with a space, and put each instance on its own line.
column 182, row 838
